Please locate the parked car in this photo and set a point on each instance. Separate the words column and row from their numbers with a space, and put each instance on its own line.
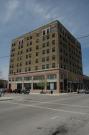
column 81, row 91
column 87, row 91
column 25, row 91
column 16, row 91
column 2, row 91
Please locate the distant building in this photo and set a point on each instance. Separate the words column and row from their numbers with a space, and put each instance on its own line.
column 85, row 82
column 3, row 83
column 50, row 54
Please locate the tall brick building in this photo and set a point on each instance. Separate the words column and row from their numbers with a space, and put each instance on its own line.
column 49, row 54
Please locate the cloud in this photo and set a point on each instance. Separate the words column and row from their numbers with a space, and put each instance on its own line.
column 11, row 7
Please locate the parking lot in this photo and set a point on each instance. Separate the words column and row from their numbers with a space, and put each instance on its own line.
column 36, row 114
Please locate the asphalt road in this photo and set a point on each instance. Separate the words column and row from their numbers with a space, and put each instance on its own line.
column 66, row 114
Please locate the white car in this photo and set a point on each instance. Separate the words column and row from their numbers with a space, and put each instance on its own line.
column 80, row 91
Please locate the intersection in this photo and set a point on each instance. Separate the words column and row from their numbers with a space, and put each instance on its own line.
column 33, row 114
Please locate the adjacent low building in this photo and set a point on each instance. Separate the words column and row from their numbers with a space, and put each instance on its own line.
column 3, row 83
column 86, row 82
column 48, row 55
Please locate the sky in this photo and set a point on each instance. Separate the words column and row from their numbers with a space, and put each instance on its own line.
column 21, row 16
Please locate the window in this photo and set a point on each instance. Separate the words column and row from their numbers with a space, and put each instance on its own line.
column 29, row 55
column 26, row 63
column 53, row 57
column 30, row 62
column 47, row 58
column 53, row 42
column 13, row 44
column 22, row 41
column 36, row 68
column 19, row 70
column 53, row 65
column 27, row 44
column 52, row 76
column 27, row 78
column 27, row 38
column 43, row 66
column 37, row 47
column 30, row 49
column 37, row 41
column 20, row 64
column 37, row 53
column 21, row 52
column 47, row 43
column 53, row 49
column 30, row 42
column 26, row 50
column 47, row 31
column 38, row 77
column 43, row 44
column 19, row 79
column 26, row 69
column 37, row 34
column 26, row 56
column 47, row 66
column 30, row 37
column 21, row 46
column 43, row 52
column 18, row 47
column 44, row 38
column 47, row 36
column 36, row 61
column 44, row 32
column 47, row 50
column 53, row 35
column 29, row 69
column 43, row 59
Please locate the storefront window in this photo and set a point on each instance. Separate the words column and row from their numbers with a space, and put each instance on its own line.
column 38, row 78
column 19, row 79
column 52, row 76
column 27, row 78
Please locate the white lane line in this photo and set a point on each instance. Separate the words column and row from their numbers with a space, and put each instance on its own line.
column 42, row 102
column 78, row 106
column 55, row 117
column 49, row 108
column 53, row 102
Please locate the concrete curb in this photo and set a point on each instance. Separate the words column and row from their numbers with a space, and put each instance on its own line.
column 49, row 94
column 5, row 98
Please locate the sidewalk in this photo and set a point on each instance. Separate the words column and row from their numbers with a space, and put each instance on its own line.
column 54, row 94
column 5, row 98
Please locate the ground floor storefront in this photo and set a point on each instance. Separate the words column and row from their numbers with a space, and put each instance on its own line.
column 51, row 80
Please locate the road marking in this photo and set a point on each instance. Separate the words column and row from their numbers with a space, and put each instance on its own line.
column 53, row 102
column 55, row 117
column 79, row 106
column 37, row 101
column 49, row 108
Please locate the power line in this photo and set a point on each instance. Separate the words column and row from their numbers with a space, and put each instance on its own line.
column 84, row 36
column 4, row 56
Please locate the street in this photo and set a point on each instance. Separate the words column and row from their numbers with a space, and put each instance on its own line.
column 36, row 114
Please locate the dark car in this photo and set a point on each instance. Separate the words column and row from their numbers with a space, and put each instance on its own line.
column 16, row 91
column 25, row 91
column 2, row 91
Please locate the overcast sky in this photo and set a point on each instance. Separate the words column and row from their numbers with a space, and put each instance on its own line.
column 21, row 16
